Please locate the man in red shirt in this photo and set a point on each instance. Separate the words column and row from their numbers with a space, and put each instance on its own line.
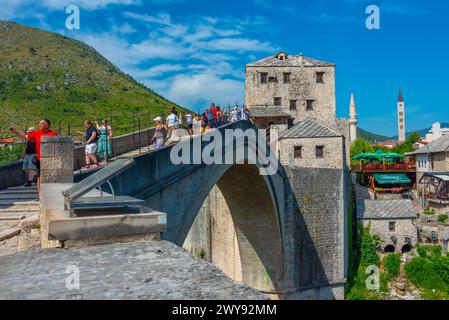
column 44, row 130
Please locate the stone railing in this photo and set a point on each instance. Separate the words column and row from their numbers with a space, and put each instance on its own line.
column 11, row 175
column 120, row 145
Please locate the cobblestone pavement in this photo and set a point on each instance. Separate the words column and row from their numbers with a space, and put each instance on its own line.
column 139, row 270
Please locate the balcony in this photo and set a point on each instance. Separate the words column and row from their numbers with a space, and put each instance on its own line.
column 385, row 168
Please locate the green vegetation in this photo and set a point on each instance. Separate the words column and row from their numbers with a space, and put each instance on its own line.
column 44, row 74
column 365, row 255
column 430, row 274
column 392, row 264
column 408, row 144
column 362, row 145
column 429, row 212
column 11, row 153
column 369, row 136
column 443, row 218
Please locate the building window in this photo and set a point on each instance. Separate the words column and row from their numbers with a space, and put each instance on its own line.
column 298, row 152
column 401, row 120
column 264, row 77
column 272, row 80
column 292, row 104
column 319, row 151
column 401, row 114
column 392, row 226
column 287, row 77
column 320, row 77
column 402, row 127
column 309, row 105
column 277, row 101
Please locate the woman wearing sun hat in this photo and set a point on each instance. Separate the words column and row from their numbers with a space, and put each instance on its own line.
column 160, row 134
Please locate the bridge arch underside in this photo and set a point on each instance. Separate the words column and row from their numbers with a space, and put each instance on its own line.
column 228, row 215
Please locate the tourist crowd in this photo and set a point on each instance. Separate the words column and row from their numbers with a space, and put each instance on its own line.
column 98, row 137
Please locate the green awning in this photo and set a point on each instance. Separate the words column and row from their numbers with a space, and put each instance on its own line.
column 391, row 178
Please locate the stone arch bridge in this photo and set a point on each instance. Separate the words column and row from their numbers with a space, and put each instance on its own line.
column 254, row 227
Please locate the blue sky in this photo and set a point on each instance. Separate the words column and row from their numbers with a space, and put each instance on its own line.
column 195, row 51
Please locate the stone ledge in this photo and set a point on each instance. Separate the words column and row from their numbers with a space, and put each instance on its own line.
column 57, row 226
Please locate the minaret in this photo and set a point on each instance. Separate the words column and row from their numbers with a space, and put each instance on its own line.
column 401, row 117
column 352, row 120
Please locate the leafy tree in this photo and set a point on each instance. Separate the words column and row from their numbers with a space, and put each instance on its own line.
column 413, row 138
column 360, row 145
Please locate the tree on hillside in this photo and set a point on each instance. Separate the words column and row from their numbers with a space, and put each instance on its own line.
column 360, row 145
column 407, row 146
column 413, row 138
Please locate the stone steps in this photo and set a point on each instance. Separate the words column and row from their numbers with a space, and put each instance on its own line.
column 21, row 188
column 16, row 205
column 16, row 192
column 15, row 197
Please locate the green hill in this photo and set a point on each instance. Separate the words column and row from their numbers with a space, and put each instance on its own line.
column 369, row 136
column 44, row 74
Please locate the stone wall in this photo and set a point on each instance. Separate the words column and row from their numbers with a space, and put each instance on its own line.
column 344, row 129
column 403, row 228
column 333, row 149
column 322, row 196
column 303, row 87
column 441, row 162
column 11, row 175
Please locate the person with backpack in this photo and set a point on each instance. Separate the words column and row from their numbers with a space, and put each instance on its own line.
column 91, row 135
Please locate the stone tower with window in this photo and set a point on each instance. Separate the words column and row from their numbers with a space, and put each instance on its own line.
column 401, row 117
column 299, row 86
column 293, row 97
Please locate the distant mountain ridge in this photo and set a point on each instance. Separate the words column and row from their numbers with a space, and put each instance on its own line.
column 373, row 137
column 369, row 136
column 423, row 132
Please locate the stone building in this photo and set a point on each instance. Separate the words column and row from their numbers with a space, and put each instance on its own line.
column 293, row 98
column 436, row 132
column 393, row 221
column 432, row 158
column 301, row 87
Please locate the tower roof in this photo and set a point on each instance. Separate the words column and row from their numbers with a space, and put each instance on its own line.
column 289, row 60
column 352, row 103
column 400, row 98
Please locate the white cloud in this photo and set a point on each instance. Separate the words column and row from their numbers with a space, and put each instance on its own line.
column 236, row 44
column 161, row 18
column 189, row 89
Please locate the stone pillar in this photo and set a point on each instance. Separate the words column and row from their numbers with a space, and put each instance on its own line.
column 56, row 159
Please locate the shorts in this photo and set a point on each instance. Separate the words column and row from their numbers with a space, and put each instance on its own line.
column 91, row 149
column 189, row 126
column 29, row 162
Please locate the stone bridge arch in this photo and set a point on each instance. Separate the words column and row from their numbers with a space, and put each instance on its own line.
column 275, row 250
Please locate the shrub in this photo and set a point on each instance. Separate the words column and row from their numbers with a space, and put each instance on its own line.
column 368, row 251
column 443, row 218
column 421, row 251
column 392, row 263
column 435, row 251
column 422, row 273
column 429, row 212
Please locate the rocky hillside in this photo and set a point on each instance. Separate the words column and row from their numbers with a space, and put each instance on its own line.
column 44, row 74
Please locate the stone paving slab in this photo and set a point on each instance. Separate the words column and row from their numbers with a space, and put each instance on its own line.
column 138, row 270
column 9, row 233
